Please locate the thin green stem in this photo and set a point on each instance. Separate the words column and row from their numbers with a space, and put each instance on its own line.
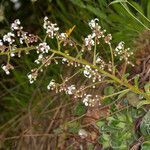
column 46, row 61
column 18, row 50
column 123, row 83
column 114, row 94
column 112, row 59
column 94, row 55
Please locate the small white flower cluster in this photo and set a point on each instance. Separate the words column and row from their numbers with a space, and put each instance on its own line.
column 7, row 68
column 96, row 34
column 108, row 38
column 87, row 71
column 88, row 100
column 12, row 53
column 100, row 62
column 119, row 49
column 17, row 32
column 70, row 90
column 123, row 53
column 40, row 57
column 63, row 37
column 9, row 37
column 16, row 25
column 32, row 76
column 43, row 47
column 51, row 28
column 90, row 73
column 89, row 42
column 23, row 37
column 109, row 65
column 64, row 60
column 94, row 24
column 51, row 85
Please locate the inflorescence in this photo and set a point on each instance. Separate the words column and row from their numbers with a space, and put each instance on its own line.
column 13, row 41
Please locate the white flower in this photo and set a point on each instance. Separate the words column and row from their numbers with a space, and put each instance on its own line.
column 43, row 47
column 120, row 46
column 39, row 59
column 6, row 70
column 89, row 42
column 62, row 36
column 32, row 77
column 7, row 67
column 70, row 89
column 51, row 28
column 101, row 62
column 87, row 71
column 16, row 25
column 86, row 99
column 64, row 60
column 23, row 37
column 9, row 38
column 51, row 85
column 83, row 133
column 12, row 54
column 1, row 43
column 93, row 23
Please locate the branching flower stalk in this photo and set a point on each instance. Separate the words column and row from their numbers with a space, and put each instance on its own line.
column 96, row 71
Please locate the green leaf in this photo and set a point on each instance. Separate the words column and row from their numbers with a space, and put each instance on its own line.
column 109, row 90
column 73, row 127
column 145, row 145
column 137, row 6
column 147, row 88
column 96, row 11
column 90, row 146
column 80, row 109
column 133, row 99
column 145, row 124
column 141, row 103
column 100, row 124
column 122, row 94
column 78, row 3
column 148, row 10
column 121, row 125
column 117, row 1
column 136, row 79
